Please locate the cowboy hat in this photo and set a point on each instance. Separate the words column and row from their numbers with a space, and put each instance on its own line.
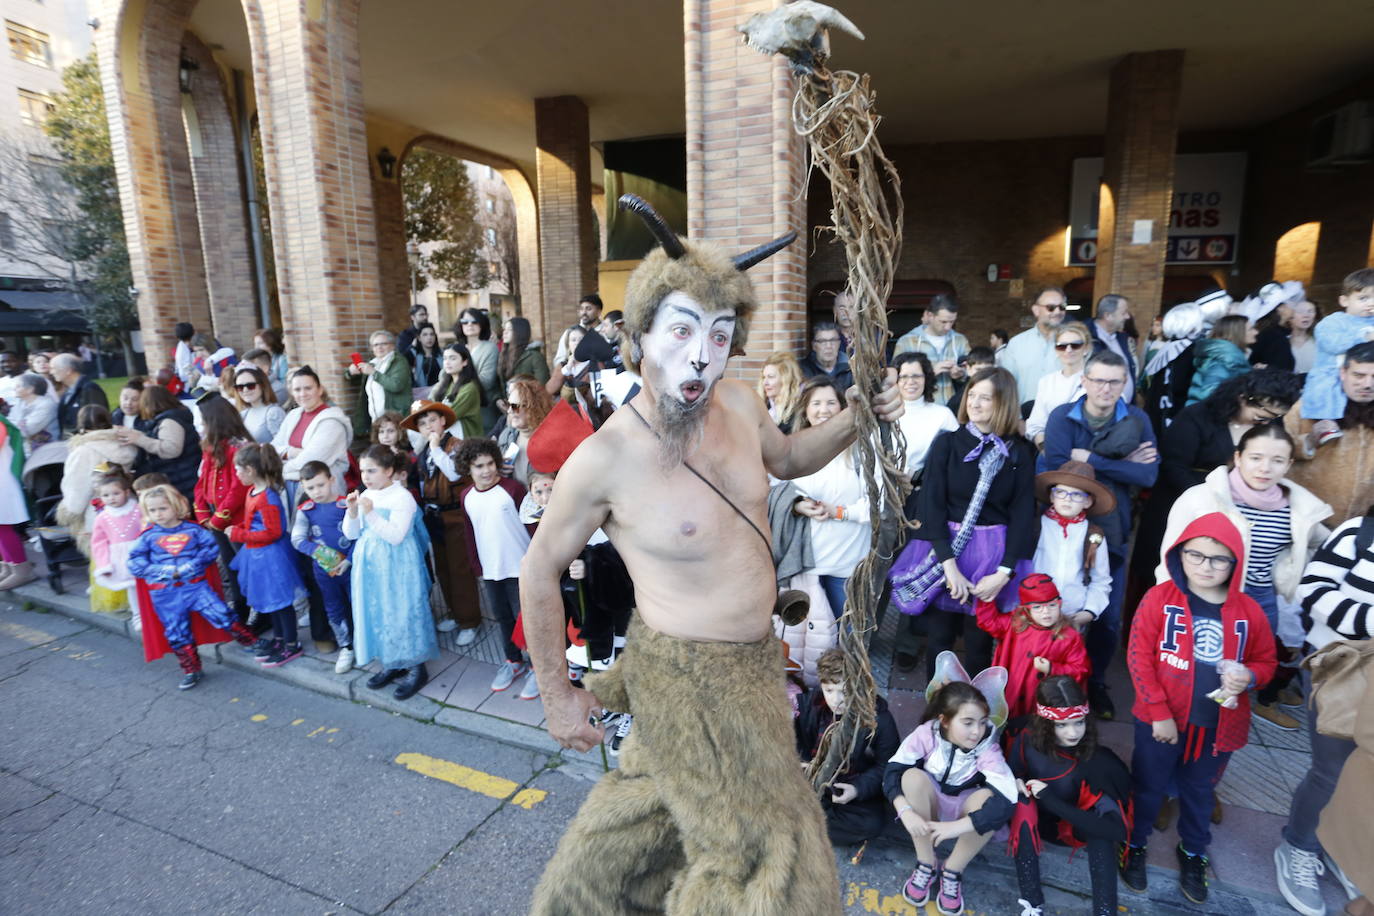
column 1080, row 476
column 422, row 407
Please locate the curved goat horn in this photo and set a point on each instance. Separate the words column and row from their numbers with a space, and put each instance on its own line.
column 657, row 225
column 766, row 250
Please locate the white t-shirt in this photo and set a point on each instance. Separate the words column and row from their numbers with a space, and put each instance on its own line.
column 838, row 544
column 501, row 537
column 920, row 423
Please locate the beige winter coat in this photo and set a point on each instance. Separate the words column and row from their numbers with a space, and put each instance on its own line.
column 86, row 452
column 1214, row 495
column 1340, row 472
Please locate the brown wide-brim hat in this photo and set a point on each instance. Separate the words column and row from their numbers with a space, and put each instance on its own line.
column 1081, row 476
column 420, row 408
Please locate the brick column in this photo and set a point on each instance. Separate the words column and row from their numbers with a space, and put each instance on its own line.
column 139, row 53
column 566, row 237
column 308, row 80
column 745, row 176
column 1138, row 178
column 216, row 172
column 392, row 260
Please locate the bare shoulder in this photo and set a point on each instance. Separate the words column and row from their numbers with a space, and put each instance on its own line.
column 740, row 398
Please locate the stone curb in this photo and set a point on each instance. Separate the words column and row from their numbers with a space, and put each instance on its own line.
column 318, row 676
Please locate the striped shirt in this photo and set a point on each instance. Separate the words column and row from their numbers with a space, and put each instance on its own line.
column 1337, row 590
column 1271, row 533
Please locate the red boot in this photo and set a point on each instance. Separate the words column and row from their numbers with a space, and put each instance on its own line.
column 242, row 635
column 189, row 659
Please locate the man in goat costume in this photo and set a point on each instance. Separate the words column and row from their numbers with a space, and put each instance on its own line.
column 709, row 811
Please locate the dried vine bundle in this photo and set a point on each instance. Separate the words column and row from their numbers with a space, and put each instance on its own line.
column 835, row 111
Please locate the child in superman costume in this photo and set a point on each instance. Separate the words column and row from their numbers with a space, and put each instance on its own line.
column 174, row 563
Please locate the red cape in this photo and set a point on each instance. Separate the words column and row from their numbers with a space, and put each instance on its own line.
column 155, row 638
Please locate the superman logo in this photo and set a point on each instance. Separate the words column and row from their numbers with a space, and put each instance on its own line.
column 174, row 543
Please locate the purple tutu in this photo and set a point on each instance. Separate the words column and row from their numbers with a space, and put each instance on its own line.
column 981, row 556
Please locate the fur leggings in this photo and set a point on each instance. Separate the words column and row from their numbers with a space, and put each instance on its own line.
column 709, row 811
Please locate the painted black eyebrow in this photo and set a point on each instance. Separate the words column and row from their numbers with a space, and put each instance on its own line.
column 694, row 316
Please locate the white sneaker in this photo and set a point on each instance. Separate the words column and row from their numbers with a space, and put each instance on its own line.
column 622, row 731
column 506, row 675
column 447, row 625
column 345, row 662
column 467, row 637
column 531, row 689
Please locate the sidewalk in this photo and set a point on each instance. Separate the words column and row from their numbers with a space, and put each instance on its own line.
column 1254, row 791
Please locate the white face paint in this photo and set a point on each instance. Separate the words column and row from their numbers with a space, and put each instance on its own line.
column 686, row 348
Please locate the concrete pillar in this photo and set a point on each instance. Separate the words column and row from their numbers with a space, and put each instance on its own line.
column 217, row 175
column 308, row 79
column 567, row 250
column 1138, row 178
column 139, row 54
column 745, row 175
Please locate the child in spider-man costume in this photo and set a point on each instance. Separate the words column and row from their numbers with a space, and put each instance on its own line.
column 174, row 561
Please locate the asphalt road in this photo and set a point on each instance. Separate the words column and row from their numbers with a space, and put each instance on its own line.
column 120, row 794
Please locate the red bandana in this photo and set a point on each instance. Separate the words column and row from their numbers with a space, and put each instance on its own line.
column 1064, row 523
column 1061, row 713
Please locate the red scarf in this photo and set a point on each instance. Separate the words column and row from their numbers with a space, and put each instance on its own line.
column 1064, row 523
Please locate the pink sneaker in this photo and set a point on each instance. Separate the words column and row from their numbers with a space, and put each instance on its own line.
column 950, row 900
column 916, row 891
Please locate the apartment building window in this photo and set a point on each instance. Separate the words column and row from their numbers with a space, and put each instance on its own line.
column 490, row 234
column 6, row 231
column 29, row 45
column 491, row 205
column 34, row 107
column 447, row 302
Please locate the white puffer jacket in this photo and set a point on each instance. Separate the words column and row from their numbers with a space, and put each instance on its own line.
column 808, row 640
column 1307, row 513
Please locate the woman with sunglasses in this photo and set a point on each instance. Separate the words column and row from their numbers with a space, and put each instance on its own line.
column 528, row 404
column 1072, row 345
column 257, row 403
column 474, row 331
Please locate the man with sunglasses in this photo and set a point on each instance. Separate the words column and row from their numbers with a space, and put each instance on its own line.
column 1109, row 333
column 1117, row 440
column 1029, row 356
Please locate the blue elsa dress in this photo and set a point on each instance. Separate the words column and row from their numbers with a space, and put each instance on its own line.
column 391, row 584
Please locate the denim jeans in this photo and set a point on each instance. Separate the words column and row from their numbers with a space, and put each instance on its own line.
column 1315, row 790
column 833, row 586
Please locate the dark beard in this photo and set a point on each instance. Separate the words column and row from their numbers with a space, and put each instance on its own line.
column 679, row 427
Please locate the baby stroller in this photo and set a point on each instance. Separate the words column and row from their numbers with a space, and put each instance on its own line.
column 43, row 482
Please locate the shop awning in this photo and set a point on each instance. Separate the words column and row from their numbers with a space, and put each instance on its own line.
column 36, row 313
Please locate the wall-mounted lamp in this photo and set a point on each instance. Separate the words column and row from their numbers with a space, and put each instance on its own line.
column 386, row 162
column 184, row 72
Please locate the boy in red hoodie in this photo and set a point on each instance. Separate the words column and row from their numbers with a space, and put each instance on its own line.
column 1197, row 645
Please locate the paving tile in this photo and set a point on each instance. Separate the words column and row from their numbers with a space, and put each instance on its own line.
column 473, row 686
column 445, row 678
column 508, row 705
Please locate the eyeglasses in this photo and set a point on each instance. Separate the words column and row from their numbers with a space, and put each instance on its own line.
column 469, row 321
column 246, row 386
column 515, row 406
column 1215, row 561
column 826, row 340
column 1073, row 496
column 1105, row 382
column 1070, row 345
column 1270, row 412
column 1056, row 307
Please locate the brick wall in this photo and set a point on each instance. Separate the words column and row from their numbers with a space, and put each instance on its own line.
column 393, row 263
column 139, row 52
column 216, row 170
column 745, row 176
column 1282, row 193
column 567, row 237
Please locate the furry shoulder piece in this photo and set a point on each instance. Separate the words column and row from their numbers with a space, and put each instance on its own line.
column 699, row 269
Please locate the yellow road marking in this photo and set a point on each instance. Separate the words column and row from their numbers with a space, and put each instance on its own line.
column 470, row 779
column 259, row 718
column 315, row 732
column 297, row 721
column 872, row 900
column 233, row 699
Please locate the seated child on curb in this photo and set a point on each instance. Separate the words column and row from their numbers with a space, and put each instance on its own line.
column 1074, row 793
column 949, row 781
column 266, row 566
column 854, row 806
column 497, row 542
column 317, row 532
column 1034, row 641
column 172, row 557
column 1072, row 550
column 1197, row 645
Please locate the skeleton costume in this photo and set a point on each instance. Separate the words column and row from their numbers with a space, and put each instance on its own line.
column 709, row 811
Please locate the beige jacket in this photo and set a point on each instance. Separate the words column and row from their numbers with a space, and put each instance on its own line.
column 1214, row 495
column 1340, row 472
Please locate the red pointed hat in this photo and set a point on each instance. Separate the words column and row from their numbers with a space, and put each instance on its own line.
column 562, row 431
